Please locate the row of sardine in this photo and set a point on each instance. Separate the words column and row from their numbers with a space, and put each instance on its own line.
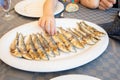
column 41, row 46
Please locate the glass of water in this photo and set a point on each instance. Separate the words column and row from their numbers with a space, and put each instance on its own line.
column 6, row 4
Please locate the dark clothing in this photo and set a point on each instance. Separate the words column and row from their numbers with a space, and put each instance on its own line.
column 117, row 5
column 113, row 28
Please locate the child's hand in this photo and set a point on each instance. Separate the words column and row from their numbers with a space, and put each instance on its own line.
column 48, row 24
column 106, row 4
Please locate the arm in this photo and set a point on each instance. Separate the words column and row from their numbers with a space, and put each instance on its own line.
column 90, row 3
column 49, row 7
column 47, row 21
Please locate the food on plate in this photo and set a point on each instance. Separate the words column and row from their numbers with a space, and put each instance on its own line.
column 72, row 7
column 41, row 46
column 51, row 44
column 59, row 43
column 13, row 47
column 71, row 38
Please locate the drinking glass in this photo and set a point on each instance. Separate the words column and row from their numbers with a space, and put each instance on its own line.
column 6, row 4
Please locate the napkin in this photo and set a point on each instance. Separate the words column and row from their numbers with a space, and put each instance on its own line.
column 113, row 28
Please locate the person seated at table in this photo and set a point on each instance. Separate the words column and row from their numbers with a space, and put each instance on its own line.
column 101, row 4
column 47, row 21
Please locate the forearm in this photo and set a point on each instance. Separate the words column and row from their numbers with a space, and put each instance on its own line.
column 49, row 7
column 90, row 3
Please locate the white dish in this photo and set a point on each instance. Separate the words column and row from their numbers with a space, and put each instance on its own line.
column 59, row 63
column 34, row 8
column 75, row 77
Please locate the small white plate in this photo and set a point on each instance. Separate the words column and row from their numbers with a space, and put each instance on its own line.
column 34, row 8
column 58, row 63
column 75, row 77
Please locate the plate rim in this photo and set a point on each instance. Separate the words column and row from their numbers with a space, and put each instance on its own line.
column 33, row 16
column 75, row 75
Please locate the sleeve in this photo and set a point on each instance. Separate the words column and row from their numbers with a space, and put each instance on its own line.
column 113, row 28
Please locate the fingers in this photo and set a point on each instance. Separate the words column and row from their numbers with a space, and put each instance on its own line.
column 102, row 6
column 105, row 4
column 41, row 23
column 52, row 28
column 113, row 1
column 48, row 25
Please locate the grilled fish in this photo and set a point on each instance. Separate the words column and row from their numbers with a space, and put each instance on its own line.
column 39, row 48
column 31, row 48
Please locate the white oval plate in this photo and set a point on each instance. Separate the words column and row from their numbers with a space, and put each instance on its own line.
column 59, row 63
column 75, row 77
column 34, row 8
